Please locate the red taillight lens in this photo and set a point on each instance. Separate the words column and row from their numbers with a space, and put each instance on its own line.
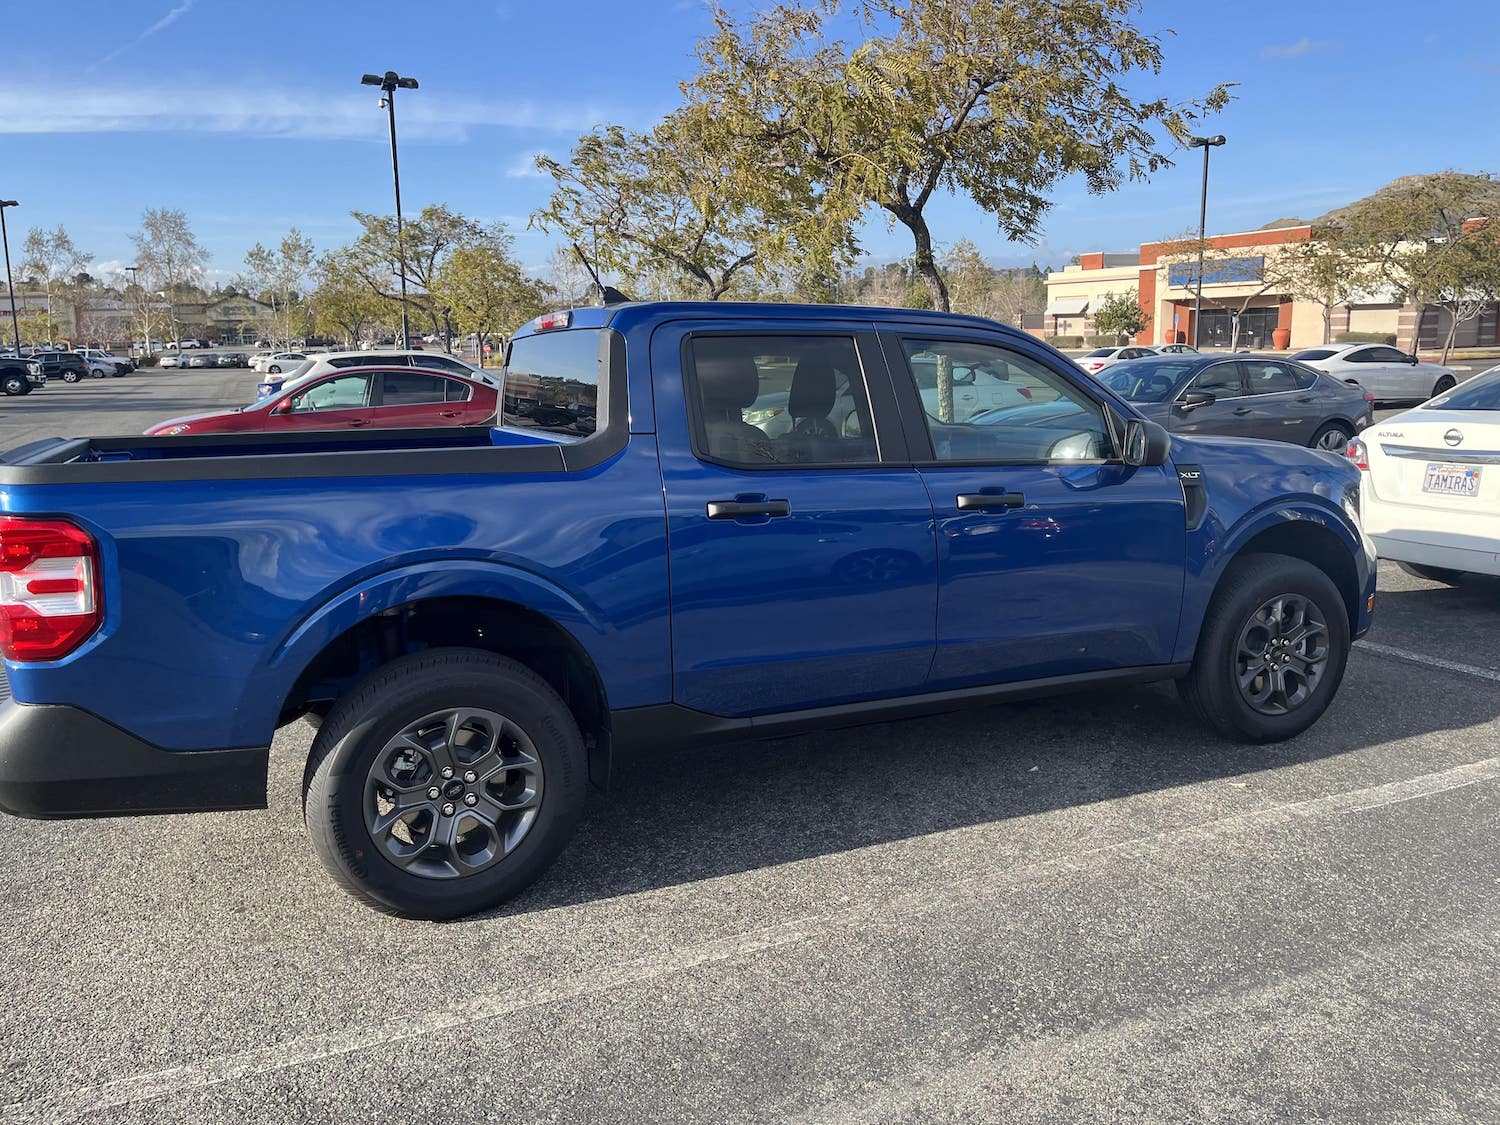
column 553, row 320
column 1357, row 453
column 1025, row 391
column 49, row 600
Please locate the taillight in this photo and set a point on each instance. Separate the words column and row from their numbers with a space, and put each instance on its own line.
column 49, row 599
column 1357, row 453
column 553, row 320
column 1026, row 391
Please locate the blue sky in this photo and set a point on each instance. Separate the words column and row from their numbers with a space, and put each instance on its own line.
column 249, row 116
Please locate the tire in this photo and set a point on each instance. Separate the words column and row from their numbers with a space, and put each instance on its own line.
column 1444, row 385
column 274, row 370
column 71, row 377
column 15, row 385
column 95, row 373
column 1434, row 573
column 1212, row 689
column 1332, row 436
column 394, row 871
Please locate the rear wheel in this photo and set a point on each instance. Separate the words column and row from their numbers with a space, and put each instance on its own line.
column 445, row 783
column 13, row 384
column 1334, row 437
column 97, row 373
column 1444, row 385
column 1434, row 573
column 71, row 377
column 1272, row 653
column 273, row 370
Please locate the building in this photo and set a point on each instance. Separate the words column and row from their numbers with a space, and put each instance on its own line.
column 1241, row 289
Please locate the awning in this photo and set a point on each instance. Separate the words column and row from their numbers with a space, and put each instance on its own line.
column 1068, row 306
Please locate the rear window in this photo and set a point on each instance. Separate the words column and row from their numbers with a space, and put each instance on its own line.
column 1099, row 353
column 1480, row 393
column 551, row 382
column 1312, row 353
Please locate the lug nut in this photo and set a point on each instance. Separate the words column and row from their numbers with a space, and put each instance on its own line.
column 447, row 808
column 470, row 776
column 447, row 771
column 434, row 793
column 470, row 799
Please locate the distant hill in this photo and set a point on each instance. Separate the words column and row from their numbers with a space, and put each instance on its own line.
column 1485, row 200
column 1282, row 224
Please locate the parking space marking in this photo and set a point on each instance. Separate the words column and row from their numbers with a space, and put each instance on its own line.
column 87, row 1100
column 1427, row 661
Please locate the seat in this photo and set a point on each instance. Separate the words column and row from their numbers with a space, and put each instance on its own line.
column 813, row 393
column 727, row 383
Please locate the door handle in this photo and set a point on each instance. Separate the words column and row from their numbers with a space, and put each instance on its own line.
column 1305, row 398
column 983, row 501
column 359, row 422
column 738, row 509
column 1241, row 411
column 448, row 414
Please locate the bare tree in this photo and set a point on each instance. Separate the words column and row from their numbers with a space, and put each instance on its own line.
column 169, row 255
column 51, row 258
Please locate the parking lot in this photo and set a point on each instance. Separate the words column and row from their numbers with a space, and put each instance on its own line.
column 1079, row 909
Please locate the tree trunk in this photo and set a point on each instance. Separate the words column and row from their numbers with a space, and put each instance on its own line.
column 1448, row 340
column 923, row 260
column 1327, row 324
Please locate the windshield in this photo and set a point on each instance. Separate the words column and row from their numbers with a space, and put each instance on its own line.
column 1480, row 393
column 1146, row 380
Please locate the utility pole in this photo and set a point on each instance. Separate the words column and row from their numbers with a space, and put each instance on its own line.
column 10, row 285
column 389, row 83
column 1205, row 143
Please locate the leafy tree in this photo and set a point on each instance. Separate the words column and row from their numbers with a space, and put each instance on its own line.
column 342, row 304
column 52, row 260
column 427, row 241
column 991, row 99
column 1120, row 315
column 1424, row 237
column 1328, row 271
column 279, row 276
column 39, row 327
column 977, row 288
column 169, row 255
column 486, row 292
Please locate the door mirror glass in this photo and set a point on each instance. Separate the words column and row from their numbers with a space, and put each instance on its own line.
column 1146, row 444
column 1194, row 399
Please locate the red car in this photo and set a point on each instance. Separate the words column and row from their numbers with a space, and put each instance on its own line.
column 377, row 397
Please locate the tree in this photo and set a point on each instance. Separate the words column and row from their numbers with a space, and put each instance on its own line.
column 52, row 260
column 1328, row 271
column 168, row 253
column 569, row 282
column 279, row 276
column 342, row 303
column 995, row 100
column 1120, row 315
column 39, row 327
column 1425, row 239
column 977, row 288
column 427, row 240
column 486, row 292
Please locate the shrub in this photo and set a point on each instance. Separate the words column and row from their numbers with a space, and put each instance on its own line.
column 1106, row 341
column 1365, row 338
column 1066, row 341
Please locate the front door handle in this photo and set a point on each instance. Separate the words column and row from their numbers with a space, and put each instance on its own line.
column 739, row 509
column 1241, row 411
column 983, row 501
column 359, row 422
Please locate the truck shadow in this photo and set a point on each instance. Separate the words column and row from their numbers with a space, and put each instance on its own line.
column 683, row 817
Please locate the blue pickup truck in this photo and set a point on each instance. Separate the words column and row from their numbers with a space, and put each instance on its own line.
column 690, row 522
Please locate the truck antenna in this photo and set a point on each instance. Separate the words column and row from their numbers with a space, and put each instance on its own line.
column 608, row 294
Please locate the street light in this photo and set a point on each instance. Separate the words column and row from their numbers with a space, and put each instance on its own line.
column 1205, row 143
column 146, row 346
column 389, row 83
column 10, row 285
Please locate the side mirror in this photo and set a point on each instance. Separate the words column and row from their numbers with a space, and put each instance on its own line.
column 1194, row 399
column 1412, row 359
column 1146, row 444
column 282, row 407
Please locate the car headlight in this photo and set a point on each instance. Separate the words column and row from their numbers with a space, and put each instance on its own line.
column 33, row 368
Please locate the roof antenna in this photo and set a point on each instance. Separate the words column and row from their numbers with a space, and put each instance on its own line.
column 608, row 294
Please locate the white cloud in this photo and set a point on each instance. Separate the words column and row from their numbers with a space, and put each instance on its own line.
column 523, row 167
column 160, row 25
column 1293, row 50
column 309, row 115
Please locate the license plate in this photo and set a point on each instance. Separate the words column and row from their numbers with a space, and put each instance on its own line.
column 1451, row 480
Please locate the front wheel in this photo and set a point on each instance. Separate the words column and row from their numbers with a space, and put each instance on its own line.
column 273, row 371
column 71, row 377
column 95, row 373
column 15, row 385
column 1433, row 573
column 1334, row 437
column 1272, row 652
column 445, row 783
column 1444, row 385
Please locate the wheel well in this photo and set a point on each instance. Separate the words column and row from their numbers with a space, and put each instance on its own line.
column 504, row 628
column 1312, row 543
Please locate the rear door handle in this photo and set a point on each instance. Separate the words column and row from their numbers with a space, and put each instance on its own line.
column 448, row 414
column 1241, row 411
column 983, row 501
column 359, row 422
column 739, row 509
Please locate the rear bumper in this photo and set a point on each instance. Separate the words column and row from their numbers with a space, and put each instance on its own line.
column 58, row 761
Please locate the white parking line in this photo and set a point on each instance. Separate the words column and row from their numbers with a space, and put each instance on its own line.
column 1427, row 661
column 69, row 1105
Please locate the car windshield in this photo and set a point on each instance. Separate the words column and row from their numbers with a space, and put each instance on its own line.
column 1099, row 353
column 1480, row 393
column 1146, row 380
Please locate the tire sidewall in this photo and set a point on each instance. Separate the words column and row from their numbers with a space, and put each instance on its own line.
column 1328, row 428
column 335, row 794
column 14, row 386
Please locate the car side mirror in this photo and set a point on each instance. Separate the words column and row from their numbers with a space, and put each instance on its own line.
column 282, row 407
column 1412, row 359
column 1194, row 399
column 1146, row 444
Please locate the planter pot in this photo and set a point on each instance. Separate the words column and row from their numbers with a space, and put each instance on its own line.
column 1281, row 338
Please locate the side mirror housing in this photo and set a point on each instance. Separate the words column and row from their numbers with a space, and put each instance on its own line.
column 282, row 407
column 1412, row 359
column 1194, row 399
column 1146, row 444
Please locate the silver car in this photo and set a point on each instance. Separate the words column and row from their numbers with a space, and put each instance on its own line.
column 1388, row 374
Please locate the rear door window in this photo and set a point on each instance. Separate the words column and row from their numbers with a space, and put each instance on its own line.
column 411, row 388
column 551, row 382
column 1266, row 377
column 1222, row 380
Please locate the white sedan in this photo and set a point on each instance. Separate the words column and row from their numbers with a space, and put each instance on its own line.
column 1430, row 493
column 1100, row 358
column 1388, row 374
column 276, row 363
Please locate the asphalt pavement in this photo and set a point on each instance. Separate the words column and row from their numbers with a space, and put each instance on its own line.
column 1079, row 909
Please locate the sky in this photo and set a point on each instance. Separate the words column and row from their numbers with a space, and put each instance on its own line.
column 248, row 114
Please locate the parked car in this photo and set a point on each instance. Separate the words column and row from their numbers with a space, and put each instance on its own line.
column 277, row 363
column 121, row 365
column 1390, row 375
column 1097, row 360
column 377, row 397
column 19, row 376
column 202, row 359
column 333, row 361
column 234, row 359
column 1244, row 396
column 67, row 366
column 1431, row 493
column 172, row 359
column 483, row 619
column 186, row 344
column 1174, row 349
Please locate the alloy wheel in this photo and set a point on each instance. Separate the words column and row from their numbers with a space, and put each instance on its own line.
column 1281, row 654
column 453, row 793
column 1334, row 440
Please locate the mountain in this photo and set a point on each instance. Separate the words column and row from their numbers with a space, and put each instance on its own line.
column 1485, row 200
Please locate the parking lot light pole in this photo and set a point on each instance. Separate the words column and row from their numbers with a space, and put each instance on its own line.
column 1205, row 143
column 10, row 285
column 136, row 285
column 389, row 83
